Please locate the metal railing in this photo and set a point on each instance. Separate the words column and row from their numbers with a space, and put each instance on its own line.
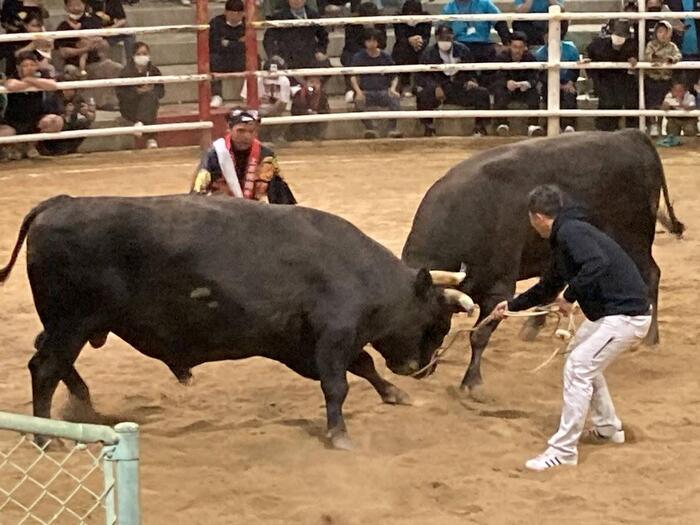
column 57, row 483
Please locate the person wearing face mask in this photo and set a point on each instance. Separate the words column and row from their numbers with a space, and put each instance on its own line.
column 355, row 41
column 516, row 85
column 658, row 81
column 616, row 88
column 450, row 87
column 226, row 45
column 412, row 40
column 32, row 23
column 139, row 104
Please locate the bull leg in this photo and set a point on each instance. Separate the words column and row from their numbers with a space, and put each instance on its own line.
column 532, row 327
column 654, row 276
column 363, row 367
column 330, row 356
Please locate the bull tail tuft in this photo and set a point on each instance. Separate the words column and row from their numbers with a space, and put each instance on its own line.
column 23, row 230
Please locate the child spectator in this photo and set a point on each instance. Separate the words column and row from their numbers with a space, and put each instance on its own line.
column 111, row 14
column 310, row 99
column 412, row 40
column 657, row 82
column 140, row 104
column 375, row 89
column 516, row 85
column 226, row 45
column 680, row 99
column 355, row 41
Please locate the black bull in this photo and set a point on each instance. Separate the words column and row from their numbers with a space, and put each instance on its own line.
column 191, row 279
column 476, row 215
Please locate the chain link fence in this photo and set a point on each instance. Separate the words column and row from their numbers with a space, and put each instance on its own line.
column 82, row 474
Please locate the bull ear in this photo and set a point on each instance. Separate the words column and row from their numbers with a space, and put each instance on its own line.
column 423, row 283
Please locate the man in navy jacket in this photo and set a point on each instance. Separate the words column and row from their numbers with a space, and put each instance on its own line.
column 603, row 279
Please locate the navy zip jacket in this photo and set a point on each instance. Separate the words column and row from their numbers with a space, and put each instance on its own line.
column 600, row 275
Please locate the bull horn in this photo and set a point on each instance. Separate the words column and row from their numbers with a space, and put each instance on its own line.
column 460, row 299
column 442, row 278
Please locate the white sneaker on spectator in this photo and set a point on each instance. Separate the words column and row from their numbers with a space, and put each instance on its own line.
column 186, row 3
column 593, row 436
column 371, row 134
column 569, row 129
column 138, row 125
column 216, row 101
column 152, row 144
column 549, row 460
column 654, row 130
column 503, row 130
column 32, row 153
column 349, row 96
column 408, row 94
column 535, row 131
column 395, row 134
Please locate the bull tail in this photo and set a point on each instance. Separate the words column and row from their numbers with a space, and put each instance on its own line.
column 668, row 217
column 22, row 235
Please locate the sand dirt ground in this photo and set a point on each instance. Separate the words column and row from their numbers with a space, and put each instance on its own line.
column 244, row 444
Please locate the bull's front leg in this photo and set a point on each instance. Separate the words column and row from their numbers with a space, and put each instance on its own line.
column 363, row 367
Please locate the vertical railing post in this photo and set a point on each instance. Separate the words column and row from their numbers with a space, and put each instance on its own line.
column 126, row 457
column 553, row 69
column 108, row 473
column 204, row 87
column 641, row 37
column 251, row 55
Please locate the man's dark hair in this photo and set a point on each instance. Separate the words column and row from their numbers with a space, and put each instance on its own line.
column 372, row 34
column 65, row 2
column 26, row 55
column 518, row 35
column 368, row 9
column 546, row 199
column 234, row 5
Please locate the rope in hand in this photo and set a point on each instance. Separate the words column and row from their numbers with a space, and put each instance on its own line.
column 549, row 311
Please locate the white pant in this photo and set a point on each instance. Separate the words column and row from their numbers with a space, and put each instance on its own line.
column 594, row 347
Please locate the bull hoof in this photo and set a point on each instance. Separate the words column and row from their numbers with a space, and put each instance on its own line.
column 396, row 396
column 478, row 394
column 340, row 440
column 529, row 333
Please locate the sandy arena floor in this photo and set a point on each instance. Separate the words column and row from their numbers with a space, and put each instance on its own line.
column 244, row 444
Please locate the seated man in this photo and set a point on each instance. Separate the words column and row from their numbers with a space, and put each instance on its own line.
column 226, row 45
column 567, row 77
column 517, row 85
column 111, row 14
column 450, row 87
column 534, row 29
column 375, row 89
column 238, row 165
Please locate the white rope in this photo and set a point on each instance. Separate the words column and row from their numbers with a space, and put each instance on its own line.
column 85, row 33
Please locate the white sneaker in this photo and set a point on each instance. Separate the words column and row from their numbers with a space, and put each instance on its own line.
column 594, row 437
column 216, row 102
column 548, row 460
column 535, row 131
column 349, row 96
column 654, row 130
column 138, row 125
column 151, row 144
column 569, row 129
column 503, row 130
column 186, row 3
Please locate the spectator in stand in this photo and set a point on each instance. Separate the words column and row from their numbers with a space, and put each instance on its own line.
column 15, row 12
column 310, row 99
column 517, row 85
column 477, row 35
column 275, row 94
column 29, row 111
column 657, row 82
column 616, row 88
column 140, row 104
column 226, row 45
column 355, row 42
column 377, row 89
column 657, row 6
column 32, row 23
column 534, row 29
column 111, row 14
column 567, row 77
column 90, row 54
column 680, row 99
column 690, row 36
column 299, row 47
column 412, row 39
column 460, row 88
column 78, row 113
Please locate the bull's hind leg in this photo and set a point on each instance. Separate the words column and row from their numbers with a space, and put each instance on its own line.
column 75, row 384
column 363, row 367
column 532, row 327
column 653, row 279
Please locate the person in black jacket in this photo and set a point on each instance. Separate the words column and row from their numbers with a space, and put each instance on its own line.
column 299, row 47
column 688, row 39
column 355, row 41
column 517, row 85
column 226, row 45
column 140, row 104
column 111, row 14
column 616, row 88
column 412, row 40
column 450, row 87
column 607, row 285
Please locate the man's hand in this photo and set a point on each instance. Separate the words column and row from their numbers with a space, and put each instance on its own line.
column 565, row 307
column 145, row 88
column 512, row 85
column 632, row 61
column 393, row 93
column 359, row 96
column 320, row 56
column 470, row 84
column 416, row 42
column 500, row 311
column 439, row 93
column 569, row 87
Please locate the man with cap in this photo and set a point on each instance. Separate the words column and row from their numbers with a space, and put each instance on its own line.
column 616, row 88
column 460, row 88
column 238, row 165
